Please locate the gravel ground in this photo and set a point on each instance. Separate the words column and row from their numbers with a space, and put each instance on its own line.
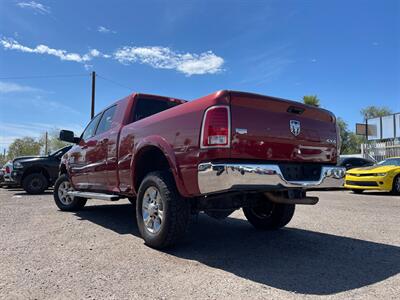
column 347, row 246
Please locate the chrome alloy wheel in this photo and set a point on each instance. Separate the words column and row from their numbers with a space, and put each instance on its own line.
column 63, row 190
column 152, row 210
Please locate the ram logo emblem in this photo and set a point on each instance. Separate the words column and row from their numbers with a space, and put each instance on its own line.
column 295, row 127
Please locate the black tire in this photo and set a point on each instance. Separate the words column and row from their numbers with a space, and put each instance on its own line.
column 175, row 211
column 269, row 215
column 396, row 185
column 35, row 183
column 76, row 203
column 357, row 191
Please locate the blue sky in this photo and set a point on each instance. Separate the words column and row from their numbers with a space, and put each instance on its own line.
column 346, row 52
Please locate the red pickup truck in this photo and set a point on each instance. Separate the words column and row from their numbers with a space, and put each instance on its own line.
column 216, row 154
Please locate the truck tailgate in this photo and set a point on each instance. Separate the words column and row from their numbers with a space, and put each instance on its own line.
column 267, row 128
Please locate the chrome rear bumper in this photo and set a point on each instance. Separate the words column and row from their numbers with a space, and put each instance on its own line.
column 213, row 178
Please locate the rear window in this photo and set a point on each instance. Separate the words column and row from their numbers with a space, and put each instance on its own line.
column 145, row 107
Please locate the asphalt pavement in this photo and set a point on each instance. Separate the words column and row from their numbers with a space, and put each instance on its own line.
column 346, row 246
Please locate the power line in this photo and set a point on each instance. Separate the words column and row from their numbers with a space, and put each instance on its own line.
column 44, row 76
column 114, row 82
column 64, row 76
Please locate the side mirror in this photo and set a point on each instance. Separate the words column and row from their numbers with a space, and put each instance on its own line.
column 68, row 136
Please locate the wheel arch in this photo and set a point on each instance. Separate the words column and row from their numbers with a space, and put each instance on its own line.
column 36, row 169
column 155, row 154
column 63, row 169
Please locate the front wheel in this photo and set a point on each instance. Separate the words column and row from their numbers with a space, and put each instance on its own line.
column 162, row 214
column 63, row 200
column 35, row 183
column 396, row 185
column 269, row 215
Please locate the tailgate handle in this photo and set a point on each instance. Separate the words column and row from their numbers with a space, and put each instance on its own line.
column 295, row 110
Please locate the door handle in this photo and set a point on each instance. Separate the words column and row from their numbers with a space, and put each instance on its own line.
column 112, row 159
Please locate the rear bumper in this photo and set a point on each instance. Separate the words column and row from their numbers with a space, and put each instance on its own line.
column 219, row 177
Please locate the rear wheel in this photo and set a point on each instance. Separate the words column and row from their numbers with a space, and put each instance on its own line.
column 396, row 185
column 269, row 215
column 35, row 183
column 62, row 199
column 162, row 214
column 357, row 191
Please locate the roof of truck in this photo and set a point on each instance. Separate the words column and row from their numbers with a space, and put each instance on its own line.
column 158, row 96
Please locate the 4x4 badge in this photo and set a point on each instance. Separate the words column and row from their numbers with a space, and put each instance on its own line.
column 295, row 127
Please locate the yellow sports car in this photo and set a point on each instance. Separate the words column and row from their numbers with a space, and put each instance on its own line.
column 384, row 176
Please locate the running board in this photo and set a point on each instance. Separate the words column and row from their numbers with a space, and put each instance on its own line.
column 90, row 195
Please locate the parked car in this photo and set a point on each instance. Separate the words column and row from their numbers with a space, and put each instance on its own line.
column 354, row 162
column 36, row 173
column 222, row 152
column 7, row 180
column 384, row 176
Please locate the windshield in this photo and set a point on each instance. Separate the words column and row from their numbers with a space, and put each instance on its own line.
column 390, row 162
column 59, row 152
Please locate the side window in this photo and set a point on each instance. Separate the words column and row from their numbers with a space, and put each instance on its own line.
column 146, row 107
column 106, row 120
column 91, row 128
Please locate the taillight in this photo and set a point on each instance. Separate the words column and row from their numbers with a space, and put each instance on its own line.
column 7, row 169
column 216, row 128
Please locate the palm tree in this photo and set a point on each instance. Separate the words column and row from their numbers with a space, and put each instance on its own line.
column 311, row 100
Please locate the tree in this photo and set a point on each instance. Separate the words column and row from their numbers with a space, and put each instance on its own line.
column 311, row 100
column 374, row 111
column 23, row 146
column 3, row 159
column 351, row 143
column 53, row 142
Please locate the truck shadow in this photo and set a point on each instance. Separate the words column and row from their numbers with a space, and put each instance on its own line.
column 23, row 193
column 295, row 260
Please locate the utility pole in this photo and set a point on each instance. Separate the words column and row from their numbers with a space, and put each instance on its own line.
column 46, row 146
column 93, row 93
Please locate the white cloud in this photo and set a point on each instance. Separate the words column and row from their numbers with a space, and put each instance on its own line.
column 11, row 87
column 35, row 6
column 12, row 44
column 103, row 29
column 165, row 58
column 156, row 57
column 94, row 52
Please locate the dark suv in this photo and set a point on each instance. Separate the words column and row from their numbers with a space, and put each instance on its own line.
column 35, row 174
